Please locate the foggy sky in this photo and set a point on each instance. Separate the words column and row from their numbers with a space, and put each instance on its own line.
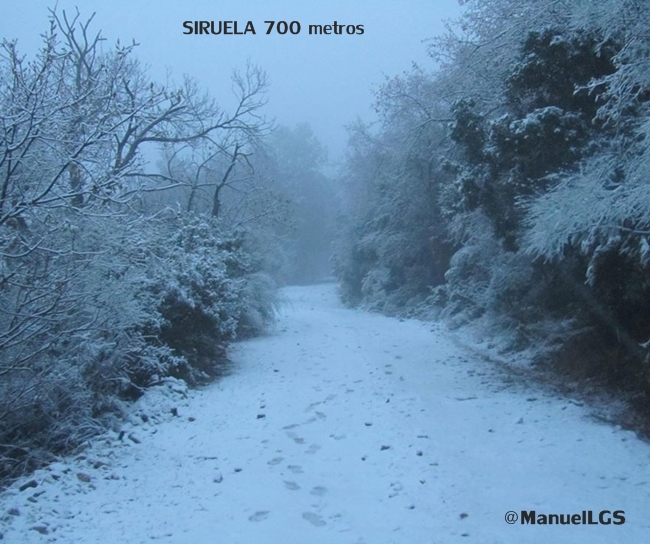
column 324, row 80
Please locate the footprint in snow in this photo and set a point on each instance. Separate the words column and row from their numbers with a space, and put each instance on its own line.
column 259, row 516
column 314, row 519
column 313, row 448
column 396, row 487
column 296, row 438
column 275, row 461
column 293, row 486
column 313, row 405
column 318, row 491
column 292, row 426
column 296, row 469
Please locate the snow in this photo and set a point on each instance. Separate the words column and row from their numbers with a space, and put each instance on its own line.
column 342, row 427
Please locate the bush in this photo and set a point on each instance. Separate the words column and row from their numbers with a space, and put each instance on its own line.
column 207, row 291
column 134, row 302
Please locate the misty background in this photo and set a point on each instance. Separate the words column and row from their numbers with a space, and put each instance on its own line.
column 314, row 85
column 491, row 175
column 326, row 81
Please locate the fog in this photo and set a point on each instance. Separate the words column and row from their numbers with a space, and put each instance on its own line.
column 326, row 81
column 419, row 292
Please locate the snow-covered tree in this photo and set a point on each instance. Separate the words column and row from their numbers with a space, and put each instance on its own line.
column 88, row 286
column 396, row 245
column 541, row 164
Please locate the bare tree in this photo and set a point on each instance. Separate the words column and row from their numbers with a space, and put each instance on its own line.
column 73, row 124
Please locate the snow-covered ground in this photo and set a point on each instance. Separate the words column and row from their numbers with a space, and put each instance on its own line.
column 342, row 427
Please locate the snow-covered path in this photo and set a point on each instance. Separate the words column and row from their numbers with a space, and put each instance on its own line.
column 344, row 427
